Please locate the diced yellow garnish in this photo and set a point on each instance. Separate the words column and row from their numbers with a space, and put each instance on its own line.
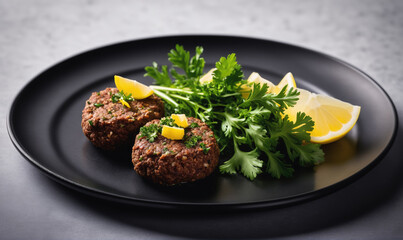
column 180, row 120
column 128, row 86
column 126, row 104
column 173, row 133
column 333, row 118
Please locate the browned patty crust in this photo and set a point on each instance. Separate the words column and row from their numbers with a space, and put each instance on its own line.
column 111, row 125
column 170, row 162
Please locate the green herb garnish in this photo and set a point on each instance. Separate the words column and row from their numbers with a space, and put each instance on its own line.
column 91, row 123
column 194, row 125
column 150, row 132
column 98, row 105
column 120, row 95
column 204, row 148
column 251, row 132
column 168, row 121
column 192, row 141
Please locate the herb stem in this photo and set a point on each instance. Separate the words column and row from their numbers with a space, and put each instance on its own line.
column 166, row 98
column 218, row 105
column 169, row 89
column 231, row 94
column 187, row 100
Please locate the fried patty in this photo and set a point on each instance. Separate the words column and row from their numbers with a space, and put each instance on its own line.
column 170, row 162
column 110, row 125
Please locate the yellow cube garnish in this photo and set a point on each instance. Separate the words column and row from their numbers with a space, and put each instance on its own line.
column 180, row 120
column 173, row 133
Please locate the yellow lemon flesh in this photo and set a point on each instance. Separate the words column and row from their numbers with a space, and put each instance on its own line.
column 288, row 80
column 173, row 133
column 256, row 78
column 333, row 118
column 180, row 120
column 208, row 77
column 128, row 86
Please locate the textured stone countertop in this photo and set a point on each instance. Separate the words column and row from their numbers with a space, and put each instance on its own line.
column 37, row 34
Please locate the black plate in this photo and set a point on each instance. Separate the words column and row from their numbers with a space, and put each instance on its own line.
column 44, row 123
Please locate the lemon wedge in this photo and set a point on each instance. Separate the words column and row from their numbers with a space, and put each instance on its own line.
column 208, row 77
column 333, row 117
column 173, row 133
column 256, row 78
column 180, row 120
column 128, row 86
column 288, row 80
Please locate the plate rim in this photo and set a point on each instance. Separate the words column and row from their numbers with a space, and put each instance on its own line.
column 283, row 201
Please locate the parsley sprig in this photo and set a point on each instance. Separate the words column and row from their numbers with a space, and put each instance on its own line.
column 168, row 121
column 192, row 141
column 150, row 132
column 122, row 97
column 253, row 133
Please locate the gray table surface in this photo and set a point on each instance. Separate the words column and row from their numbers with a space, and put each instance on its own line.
column 36, row 34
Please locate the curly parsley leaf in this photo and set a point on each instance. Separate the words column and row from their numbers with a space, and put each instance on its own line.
column 185, row 69
column 192, row 141
column 229, row 124
column 161, row 77
column 150, row 132
column 226, row 67
column 277, row 167
column 227, row 78
column 246, row 162
column 296, row 139
column 282, row 100
column 192, row 67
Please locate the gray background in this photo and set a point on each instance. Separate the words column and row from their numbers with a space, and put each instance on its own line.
column 37, row 34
